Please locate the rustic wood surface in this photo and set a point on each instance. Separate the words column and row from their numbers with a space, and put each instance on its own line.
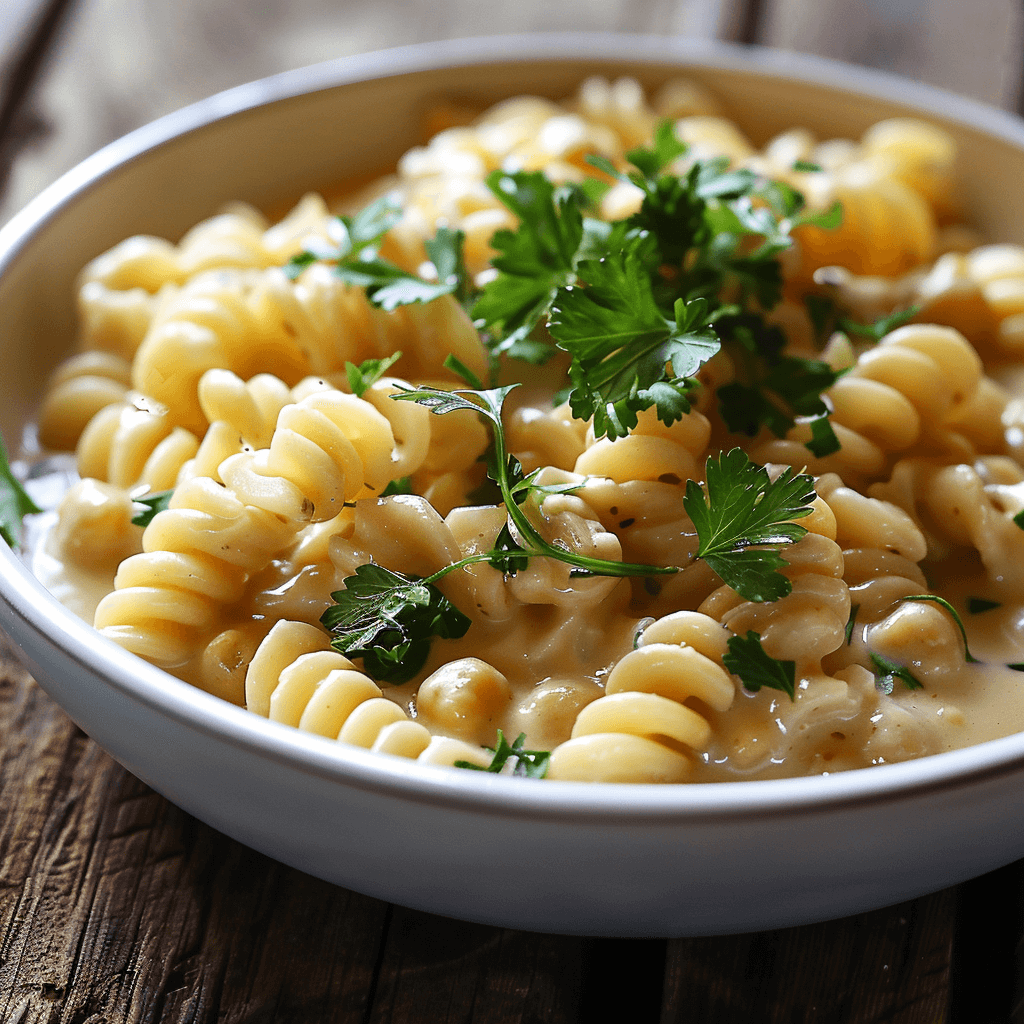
column 116, row 906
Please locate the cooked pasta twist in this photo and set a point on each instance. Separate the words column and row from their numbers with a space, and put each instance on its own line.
column 921, row 387
column 197, row 556
column 295, row 678
column 650, row 451
column 240, row 237
column 980, row 293
column 79, row 388
column 326, row 450
column 962, row 507
column 641, row 730
column 809, row 622
column 134, row 443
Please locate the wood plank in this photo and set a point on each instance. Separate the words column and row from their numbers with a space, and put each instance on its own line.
column 972, row 48
column 449, row 972
column 115, row 905
column 891, row 965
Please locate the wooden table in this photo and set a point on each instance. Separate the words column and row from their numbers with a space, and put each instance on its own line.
column 116, row 906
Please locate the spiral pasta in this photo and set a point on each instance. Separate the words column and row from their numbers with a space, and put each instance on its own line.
column 639, row 731
column 921, row 387
column 295, row 678
column 245, row 381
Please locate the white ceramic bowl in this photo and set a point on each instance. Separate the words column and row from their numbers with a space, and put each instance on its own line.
column 594, row 859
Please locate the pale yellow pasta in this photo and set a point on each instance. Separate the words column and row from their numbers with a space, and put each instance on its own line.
column 922, row 386
column 678, row 659
column 79, row 388
column 215, row 368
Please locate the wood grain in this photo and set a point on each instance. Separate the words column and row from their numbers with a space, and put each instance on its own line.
column 891, row 965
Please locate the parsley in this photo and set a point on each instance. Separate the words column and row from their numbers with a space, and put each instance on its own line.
column 826, row 317
column 890, row 672
column 153, row 503
column 362, row 377
column 975, row 605
column 389, row 619
column 747, row 659
column 620, row 343
column 637, row 303
column 850, row 622
column 403, row 485
column 515, row 488
column 15, row 502
column 533, row 764
column 1019, row 518
column 533, row 262
column 806, row 165
column 356, row 258
column 743, row 521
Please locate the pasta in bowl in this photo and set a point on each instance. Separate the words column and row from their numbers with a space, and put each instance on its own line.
column 598, row 443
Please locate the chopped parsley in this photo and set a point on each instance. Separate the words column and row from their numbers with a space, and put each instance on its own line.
column 389, row 619
column 532, row 764
column 747, row 659
column 15, row 502
column 743, row 518
column 152, row 503
column 362, row 377
column 356, row 259
column 888, row 672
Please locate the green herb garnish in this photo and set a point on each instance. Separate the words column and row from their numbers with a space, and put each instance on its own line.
column 976, row 605
column 943, row 603
column 15, row 502
column 850, row 622
column 156, row 502
column 362, row 377
column 744, row 519
column 356, row 258
column 389, row 620
column 532, row 764
column 890, row 672
column 747, row 659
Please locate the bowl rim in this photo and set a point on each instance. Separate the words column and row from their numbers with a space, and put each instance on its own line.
column 29, row 606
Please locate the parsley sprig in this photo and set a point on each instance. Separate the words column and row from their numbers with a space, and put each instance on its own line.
column 638, row 303
column 515, row 488
column 15, row 502
column 389, row 620
column 357, row 260
column 756, row 668
column 531, row 764
column 743, row 518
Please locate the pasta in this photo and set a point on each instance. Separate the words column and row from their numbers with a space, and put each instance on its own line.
column 372, row 537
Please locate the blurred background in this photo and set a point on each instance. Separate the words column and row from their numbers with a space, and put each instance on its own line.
column 75, row 74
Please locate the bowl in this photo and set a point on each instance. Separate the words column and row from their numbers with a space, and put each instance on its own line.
column 596, row 859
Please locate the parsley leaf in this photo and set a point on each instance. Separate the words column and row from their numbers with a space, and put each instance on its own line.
column 533, row 764
column 977, row 605
column 15, row 502
column 389, row 620
column 747, row 659
column 745, row 519
column 368, row 372
column 533, row 262
column 621, row 343
column 153, row 503
column 888, row 672
column 356, row 259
